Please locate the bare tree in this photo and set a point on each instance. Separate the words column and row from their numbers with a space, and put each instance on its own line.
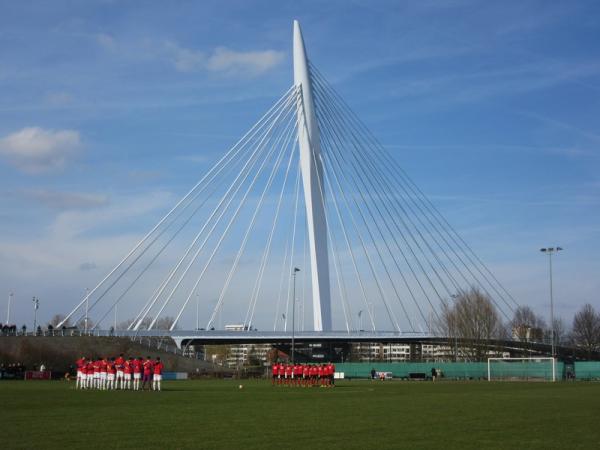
column 473, row 319
column 217, row 353
column 586, row 329
column 527, row 326
column 58, row 318
column 561, row 333
column 164, row 323
column 124, row 324
column 81, row 324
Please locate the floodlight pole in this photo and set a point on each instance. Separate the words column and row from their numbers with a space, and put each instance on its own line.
column 296, row 270
column 10, row 297
column 197, row 312
column 549, row 251
column 36, row 306
column 454, row 297
column 87, row 308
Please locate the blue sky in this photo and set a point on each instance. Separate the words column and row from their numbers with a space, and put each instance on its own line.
column 111, row 110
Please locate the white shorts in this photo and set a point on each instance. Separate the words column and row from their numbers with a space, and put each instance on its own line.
column 110, row 377
column 157, row 377
column 81, row 376
column 119, row 374
column 126, row 376
column 96, row 375
column 103, row 375
column 137, row 376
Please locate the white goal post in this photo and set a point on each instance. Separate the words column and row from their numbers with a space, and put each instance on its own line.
column 518, row 369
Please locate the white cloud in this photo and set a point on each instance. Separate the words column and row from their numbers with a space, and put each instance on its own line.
column 34, row 149
column 87, row 266
column 65, row 200
column 58, row 98
column 184, row 59
column 222, row 59
column 106, row 41
column 226, row 60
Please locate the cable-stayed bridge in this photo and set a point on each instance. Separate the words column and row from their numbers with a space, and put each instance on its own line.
column 306, row 223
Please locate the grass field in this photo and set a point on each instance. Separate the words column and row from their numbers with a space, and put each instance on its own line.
column 354, row 415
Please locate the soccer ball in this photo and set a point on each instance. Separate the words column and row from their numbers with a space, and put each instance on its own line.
column 241, row 386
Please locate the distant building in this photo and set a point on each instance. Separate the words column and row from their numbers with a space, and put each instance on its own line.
column 241, row 354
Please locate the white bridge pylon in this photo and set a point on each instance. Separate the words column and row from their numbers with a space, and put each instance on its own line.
column 312, row 179
column 374, row 251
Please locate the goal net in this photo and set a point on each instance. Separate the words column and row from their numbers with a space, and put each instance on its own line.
column 522, row 369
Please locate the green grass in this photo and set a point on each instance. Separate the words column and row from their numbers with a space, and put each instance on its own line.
column 354, row 415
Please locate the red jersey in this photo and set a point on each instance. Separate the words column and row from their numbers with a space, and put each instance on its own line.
column 331, row 369
column 97, row 367
column 275, row 369
column 102, row 365
column 110, row 367
column 158, row 368
column 119, row 363
column 89, row 368
column 313, row 370
column 128, row 367
column 320, row 371
column 306, row 370
column 297, row 369
column 288, row 369
column 148, row 367
column 137, row 366
column 80, row 363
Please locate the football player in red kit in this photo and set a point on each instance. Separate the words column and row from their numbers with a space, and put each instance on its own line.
column 305, row 375
column 147, row 371
column 157, row 368
column 274, row 373
column 288, row 374
column 119, row 380
column 137, row 373
column 111, row 373
column 80, row 363
column 127, row 373
column 297, row 374
column 281, row 374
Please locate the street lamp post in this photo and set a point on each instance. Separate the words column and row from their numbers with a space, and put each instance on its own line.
column 454, row 297
column 296, row 270
column 10, row 297
column 549, row 251
column 197, row 312
column 87, row 308
column 36, row 306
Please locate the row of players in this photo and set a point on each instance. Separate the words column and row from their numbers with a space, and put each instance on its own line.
column 118, row 373
column 303, row 374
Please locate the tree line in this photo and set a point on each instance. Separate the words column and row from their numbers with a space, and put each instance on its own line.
column 473, row 318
